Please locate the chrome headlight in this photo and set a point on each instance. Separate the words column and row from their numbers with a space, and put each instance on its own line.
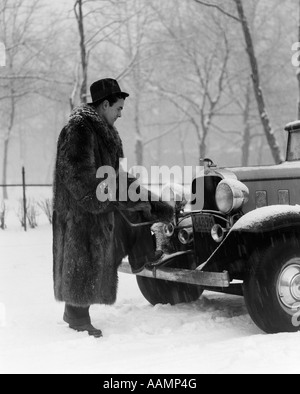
column 231, row 195
column 185, row 236
column 168, row 229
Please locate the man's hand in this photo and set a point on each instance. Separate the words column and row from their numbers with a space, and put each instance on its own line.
column 142, row 206
column 145, row 207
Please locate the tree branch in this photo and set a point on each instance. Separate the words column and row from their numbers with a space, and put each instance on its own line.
column 165, row 133
column 218, row 8
column 34, row 77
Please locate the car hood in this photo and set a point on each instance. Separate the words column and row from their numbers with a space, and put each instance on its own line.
column 279, row 171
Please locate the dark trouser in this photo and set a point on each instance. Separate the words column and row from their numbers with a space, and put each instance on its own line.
column 136, row 242
column 77, row 316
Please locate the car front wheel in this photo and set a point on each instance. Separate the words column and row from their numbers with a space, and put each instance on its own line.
column 157, row 291
column 272, row 287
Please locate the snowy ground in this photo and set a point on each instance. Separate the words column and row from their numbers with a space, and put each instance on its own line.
column 213, row 335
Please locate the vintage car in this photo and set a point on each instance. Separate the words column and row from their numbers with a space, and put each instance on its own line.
column 245, row 240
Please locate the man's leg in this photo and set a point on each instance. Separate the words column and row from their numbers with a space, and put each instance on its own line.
column 79, row 320
column 136, row 242
column 142, row 248
column 77, row 316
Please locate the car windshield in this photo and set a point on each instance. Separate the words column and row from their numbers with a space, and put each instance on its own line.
column 294, row 146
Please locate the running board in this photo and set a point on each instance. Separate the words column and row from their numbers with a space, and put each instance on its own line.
column 193, row 277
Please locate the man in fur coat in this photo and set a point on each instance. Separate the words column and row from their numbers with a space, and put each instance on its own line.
column 90, row 237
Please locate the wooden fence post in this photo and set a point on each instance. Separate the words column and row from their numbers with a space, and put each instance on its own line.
column 24, row 198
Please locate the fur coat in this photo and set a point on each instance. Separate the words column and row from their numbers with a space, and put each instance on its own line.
column 85, row 267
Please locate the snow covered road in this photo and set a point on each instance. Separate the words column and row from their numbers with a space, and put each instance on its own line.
column 213, row 335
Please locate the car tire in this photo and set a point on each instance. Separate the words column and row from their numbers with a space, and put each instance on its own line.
column 157, row 291
column 272, row 286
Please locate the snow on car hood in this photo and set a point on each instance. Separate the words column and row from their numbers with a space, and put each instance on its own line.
column 259, row 216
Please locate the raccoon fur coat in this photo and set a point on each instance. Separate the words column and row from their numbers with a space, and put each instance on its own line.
column 85, row 262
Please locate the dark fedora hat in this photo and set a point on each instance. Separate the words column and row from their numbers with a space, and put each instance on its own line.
column 105, row 88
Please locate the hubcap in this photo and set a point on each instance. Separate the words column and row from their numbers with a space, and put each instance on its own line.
column 288, row 285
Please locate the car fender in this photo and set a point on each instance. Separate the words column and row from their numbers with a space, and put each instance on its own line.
column 268, row 218
column 254, row 230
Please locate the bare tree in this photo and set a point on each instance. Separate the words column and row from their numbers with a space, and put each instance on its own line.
column 35, row 68
column 135, row 44
column 264, row 117
column 47, row 207
column 97, row 22
column 16, row 21
column 3, row 212
column 298, row 70
column 277, row 155
column 205, row 71
column 135, row 31
column 78, row 10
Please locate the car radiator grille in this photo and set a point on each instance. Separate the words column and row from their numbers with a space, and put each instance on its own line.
column 204, row 245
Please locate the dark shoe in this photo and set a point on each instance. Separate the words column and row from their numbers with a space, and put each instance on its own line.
column 156, row 260
column 166, row 258
column 156, row 257
column 148, row 260
column 77, row 316
column 79, row 320
column 136, row 270
column 92, row 331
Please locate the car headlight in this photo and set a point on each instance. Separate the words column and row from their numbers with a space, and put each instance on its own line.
column 186, row 236
column 231, row 194
column 168, row 230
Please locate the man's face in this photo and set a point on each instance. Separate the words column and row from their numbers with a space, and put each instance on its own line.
column 112, row 113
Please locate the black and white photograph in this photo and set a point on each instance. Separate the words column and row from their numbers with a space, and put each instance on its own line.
column 149, row 189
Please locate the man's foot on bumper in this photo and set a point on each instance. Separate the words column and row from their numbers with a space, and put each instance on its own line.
column 92, row 331
column 139, row 269
column 155, row 262
column 165, row 257
column 149, row 261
